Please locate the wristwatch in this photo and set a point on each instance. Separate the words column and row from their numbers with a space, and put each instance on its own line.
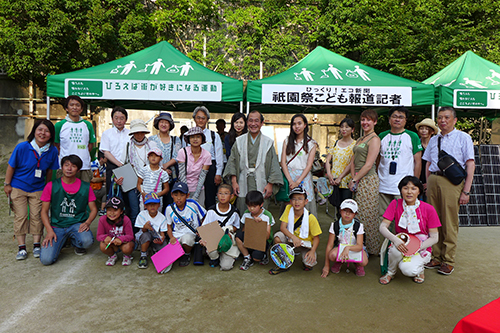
column 466, row 193
column 6, row 184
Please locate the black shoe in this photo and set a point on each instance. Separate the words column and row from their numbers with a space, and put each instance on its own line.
column 143, row 262
column 184, row 261
column 214, row 262
column 80, row 251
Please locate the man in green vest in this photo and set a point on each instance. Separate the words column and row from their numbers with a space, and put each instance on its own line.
column 67, row 199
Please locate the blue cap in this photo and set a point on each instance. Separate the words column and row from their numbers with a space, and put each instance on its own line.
column 151, row 198
column 180, row 186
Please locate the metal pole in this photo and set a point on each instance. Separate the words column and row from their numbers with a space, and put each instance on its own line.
column 48, row 107
column 241, row 106
column 433, row 111
column 248, row 108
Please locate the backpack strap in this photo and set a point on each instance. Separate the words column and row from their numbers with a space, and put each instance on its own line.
column 182, row 219
column 298, row 223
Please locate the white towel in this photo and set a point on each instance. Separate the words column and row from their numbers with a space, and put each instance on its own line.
column 304, row 228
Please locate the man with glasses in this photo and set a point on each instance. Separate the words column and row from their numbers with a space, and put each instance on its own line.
column 400, row 156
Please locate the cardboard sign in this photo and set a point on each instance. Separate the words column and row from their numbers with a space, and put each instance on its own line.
column 211, row 233
column 167, row 256
column 255, row 235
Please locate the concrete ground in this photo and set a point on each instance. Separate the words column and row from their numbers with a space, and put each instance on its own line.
column 81, row 294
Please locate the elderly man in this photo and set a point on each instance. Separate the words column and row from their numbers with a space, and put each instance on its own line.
column 213, row 145
column 253, row 163
column 400, row 156
column 113, row 142
column 444, row 195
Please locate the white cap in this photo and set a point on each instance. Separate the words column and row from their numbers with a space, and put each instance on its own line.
column 350, row 204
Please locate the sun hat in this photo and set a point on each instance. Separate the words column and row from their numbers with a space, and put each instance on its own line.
column 201, row 108
column 115, row 203
column 155, row 150
column 193, row 131
column 164, row 116
column 429, row 123
column 138, row 126
column 180, row 186
column 349, row 204
column 151, row 198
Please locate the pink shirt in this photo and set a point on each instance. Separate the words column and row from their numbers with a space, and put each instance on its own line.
column 194, row 168
column 428, row 218
column 69, row 188
column 125, row 232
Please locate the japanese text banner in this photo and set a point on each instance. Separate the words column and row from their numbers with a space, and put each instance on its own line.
column 152, row 90
column 335, row 95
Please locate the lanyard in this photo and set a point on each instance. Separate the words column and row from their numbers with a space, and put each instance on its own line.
column 37, row 160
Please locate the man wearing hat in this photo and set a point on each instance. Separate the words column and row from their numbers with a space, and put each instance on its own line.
column 213, row 145
column 113, row 141
column 253, row 163
column 75, row 135
column 444, row 195
column 425, row 129
column 400, row 156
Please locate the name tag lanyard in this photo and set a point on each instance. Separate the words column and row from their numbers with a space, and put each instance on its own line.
column 38, row 171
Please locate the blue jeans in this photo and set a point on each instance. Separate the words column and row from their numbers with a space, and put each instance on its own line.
column 132, row 198
column 84, row 240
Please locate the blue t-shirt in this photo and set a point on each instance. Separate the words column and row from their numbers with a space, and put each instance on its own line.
column 24, row 161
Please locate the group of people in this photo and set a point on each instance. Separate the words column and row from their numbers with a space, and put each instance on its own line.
column 205, row 176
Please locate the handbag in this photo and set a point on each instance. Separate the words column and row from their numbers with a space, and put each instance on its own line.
column 334, row 198
column 449, row 166
column 318, row 167
column 284, row 190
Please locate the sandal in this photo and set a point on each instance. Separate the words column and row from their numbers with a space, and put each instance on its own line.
column 277, row 270
column 420, row 278
column 385, row 279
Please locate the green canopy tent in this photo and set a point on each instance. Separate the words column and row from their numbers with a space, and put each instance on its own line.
column 325, row 82
column 157, row 78
column 470, row 84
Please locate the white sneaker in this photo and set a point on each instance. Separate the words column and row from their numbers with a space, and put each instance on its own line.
column 111, row 260
column 127, row 260
column 21, row 255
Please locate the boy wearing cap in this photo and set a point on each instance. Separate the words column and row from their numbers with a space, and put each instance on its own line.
column 183, row 217
column 299, row 229
column 152, row 178
column 349, row 232
column 115, row 232
column 152, row 226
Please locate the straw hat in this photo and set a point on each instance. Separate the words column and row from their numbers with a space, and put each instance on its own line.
column 194, row 131
column 138, row 126
column 429, row 123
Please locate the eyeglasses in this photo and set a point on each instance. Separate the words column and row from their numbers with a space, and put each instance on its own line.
column 200, row 118
column 398, row 117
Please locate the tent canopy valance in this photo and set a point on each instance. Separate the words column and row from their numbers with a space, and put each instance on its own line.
column 470, row 84
column 325, row 82
column 158, row 77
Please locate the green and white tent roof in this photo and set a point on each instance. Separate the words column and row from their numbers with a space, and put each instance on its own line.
column 326, row 81
column 158, row 77
column 470, row 82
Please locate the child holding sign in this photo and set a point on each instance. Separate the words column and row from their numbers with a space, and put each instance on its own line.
column 300, row 229
column 347, row 233
column 254, row 201
column 228, row 218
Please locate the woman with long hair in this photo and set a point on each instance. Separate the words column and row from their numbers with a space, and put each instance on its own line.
column 238, row 127
column 365, row 179
column 297, row 158
column 30, row 165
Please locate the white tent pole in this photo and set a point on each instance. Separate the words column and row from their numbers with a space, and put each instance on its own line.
column 248, row 108
column 48, row 107
column 433, row 111
column 241, row 106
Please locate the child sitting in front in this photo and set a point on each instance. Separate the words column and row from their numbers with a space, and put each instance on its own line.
column 299, row 229
column 115, row 232
column 347, row 231
column 152, row 178
column 183, row 217
column 254, row 201
column 152, row 226
column 228, row 218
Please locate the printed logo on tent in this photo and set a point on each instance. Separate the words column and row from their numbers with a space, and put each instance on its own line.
column 473, row 83
column 307, row 75
column 153, row 68
column 335, row 72
column 493, row 75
